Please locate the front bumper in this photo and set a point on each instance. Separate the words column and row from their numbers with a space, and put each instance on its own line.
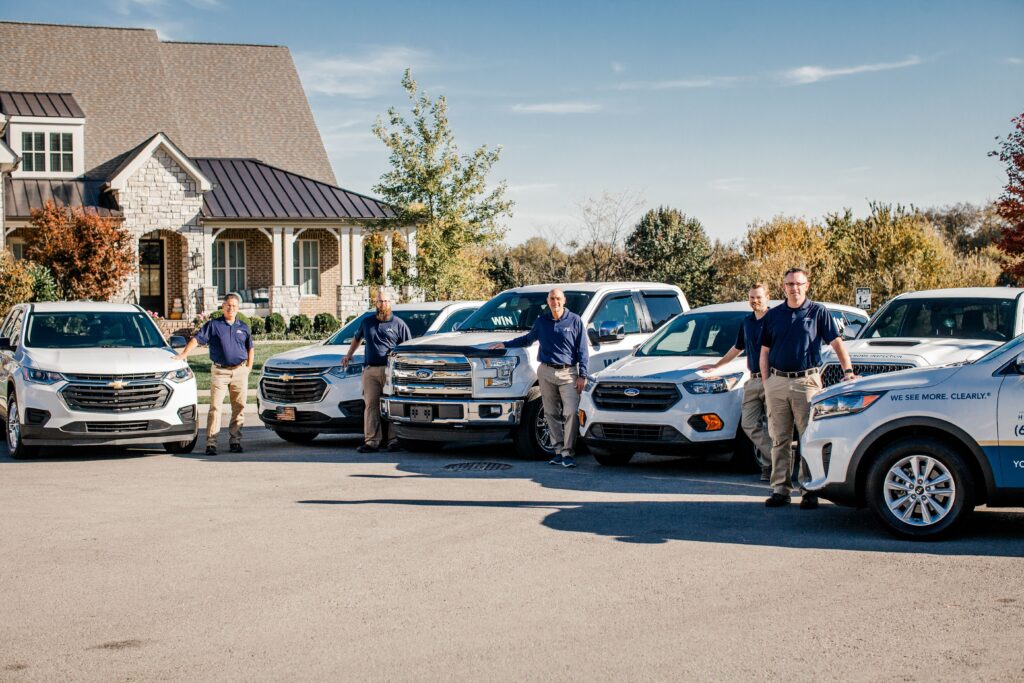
column 79, row 434
column 827, row 447
column 460, row 413
column 339, row 411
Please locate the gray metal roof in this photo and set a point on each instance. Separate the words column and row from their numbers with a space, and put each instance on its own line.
column 21, row 195
column 48, row 104
column 251, row 189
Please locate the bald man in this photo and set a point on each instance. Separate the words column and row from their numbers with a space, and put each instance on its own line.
column 562, row 374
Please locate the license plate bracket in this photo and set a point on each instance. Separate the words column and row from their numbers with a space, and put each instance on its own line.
column 421, row 413
column 286, row 413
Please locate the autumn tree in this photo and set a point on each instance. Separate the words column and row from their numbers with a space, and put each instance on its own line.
column 534, row 261
column 89, row 255
column 15, row 282
column 1011, row 202
column 771, row 247
column 598, row 249
column 668, row 246
column 443, row 193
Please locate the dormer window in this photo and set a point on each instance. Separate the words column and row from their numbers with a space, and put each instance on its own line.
column 47, row 131
column 34, row 152
column 61, row 156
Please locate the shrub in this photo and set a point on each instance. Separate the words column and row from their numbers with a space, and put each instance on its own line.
column 324, row 323
column 275, row 324
column 241, row 316
column 44, row 285
column 300, row 325
column 257, row 325
column 15, row 282
column 349, row 319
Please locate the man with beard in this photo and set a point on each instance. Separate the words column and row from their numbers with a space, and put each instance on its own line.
column 382, row 333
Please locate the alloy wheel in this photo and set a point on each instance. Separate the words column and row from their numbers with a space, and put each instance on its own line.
column 919, row 490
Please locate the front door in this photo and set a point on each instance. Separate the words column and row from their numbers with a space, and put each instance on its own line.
column 151, row 275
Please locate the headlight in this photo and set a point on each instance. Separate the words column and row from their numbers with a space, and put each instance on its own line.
column 350, row 370
column 843, row 404
column 589, row 386
column 503, row 367
column 180, row 375
column 41, row 376
column 713, row 385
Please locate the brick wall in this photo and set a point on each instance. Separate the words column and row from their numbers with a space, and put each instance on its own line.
column 330, row 275
column 259, row 255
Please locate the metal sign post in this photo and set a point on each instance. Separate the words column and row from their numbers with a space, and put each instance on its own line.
column 863, row 298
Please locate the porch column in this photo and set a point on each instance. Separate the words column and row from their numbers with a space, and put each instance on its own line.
column 410, row 240
column 277, row 263
column 358, row 271
column 345, row 242
column 389, row 240
column 289, row 245
column 207, row 257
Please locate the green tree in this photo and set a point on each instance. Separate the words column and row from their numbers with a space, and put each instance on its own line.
column 442, row 192
column 669, row 246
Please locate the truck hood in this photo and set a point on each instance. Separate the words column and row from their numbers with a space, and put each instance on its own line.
column 920, row 352
column 469, row 343
column 312, row 356
column 95, row 361
column 665, row 368
column 918, row 378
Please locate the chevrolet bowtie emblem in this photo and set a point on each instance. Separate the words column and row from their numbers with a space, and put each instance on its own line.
column 286, row 377
column 117, row 384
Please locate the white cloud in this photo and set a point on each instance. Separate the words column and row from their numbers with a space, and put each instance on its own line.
column 1014, row 60
column 618, row 67
column 812, row 74
column 358, row 76
column 678, row 84
column 557, row 108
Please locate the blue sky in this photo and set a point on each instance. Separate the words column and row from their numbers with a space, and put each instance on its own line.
column 728, row 111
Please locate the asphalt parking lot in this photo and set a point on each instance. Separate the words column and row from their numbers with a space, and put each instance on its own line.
column 317, row 563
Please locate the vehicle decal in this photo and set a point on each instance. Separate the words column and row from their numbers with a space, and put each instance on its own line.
column 943, row 396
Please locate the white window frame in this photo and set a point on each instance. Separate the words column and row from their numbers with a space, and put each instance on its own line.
column 18, row 242
column 302, row 269
column 228, row 267
column 47, row 126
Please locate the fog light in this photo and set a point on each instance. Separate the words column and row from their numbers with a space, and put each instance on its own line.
column 706, row 422
column 490, row 411
column 35, row 416
column 583, row 418
column 187, row 414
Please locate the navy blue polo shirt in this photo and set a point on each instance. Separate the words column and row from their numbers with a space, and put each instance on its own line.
column 562, row 341
column 229, row 342
column 794, row 335
column 380, row 336
column 748, row 339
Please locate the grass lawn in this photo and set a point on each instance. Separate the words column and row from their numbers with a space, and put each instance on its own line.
column 199, row 361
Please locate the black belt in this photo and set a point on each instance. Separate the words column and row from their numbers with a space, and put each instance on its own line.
column 755, row 375
column 228, row 367
column 800, row 373
column 556, row 366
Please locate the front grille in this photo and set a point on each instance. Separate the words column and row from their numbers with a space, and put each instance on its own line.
column 833, row 372
column 116, row 427
column 629, row 432
column 651, row 397
column 297, row 372
column 429, row 375
column 122, row 394
column 289, row 388
column 113, row 378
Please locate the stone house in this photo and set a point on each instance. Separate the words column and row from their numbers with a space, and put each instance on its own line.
column 207, row 153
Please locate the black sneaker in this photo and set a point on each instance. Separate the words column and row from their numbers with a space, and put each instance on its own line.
column 235, row 448
column 394, row 448
column 776, row 500
column 211, row 449
column 367, row 448
column 809, row 501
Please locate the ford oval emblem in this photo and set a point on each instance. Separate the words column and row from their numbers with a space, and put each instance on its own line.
column 424, row 374
column 631, row 392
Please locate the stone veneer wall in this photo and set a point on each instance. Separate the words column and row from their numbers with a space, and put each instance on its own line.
column 330, row 275
column 160, row 195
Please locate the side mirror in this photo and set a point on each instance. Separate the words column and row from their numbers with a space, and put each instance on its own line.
column 852, row 330
column 592, row 336
column 5, row 344
column 611, row 331
column 177, row 342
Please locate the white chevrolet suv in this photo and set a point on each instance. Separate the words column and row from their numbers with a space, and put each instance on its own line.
column 657, row 401
column 305, row 392
column 932, row 327
column 922, row 447
column 84, row 373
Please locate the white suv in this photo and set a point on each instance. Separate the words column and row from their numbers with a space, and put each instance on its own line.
column 84, row 373
column 305, row 392
column 656, row 401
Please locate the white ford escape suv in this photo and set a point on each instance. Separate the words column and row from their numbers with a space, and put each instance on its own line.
column 86, row 373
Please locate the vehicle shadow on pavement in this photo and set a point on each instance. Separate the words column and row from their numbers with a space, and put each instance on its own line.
column 986, row 533
column 81, row 454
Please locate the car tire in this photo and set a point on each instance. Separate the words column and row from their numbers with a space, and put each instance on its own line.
column 610, row 458
column 418, row 446
column 16, row 448
column 531, row 438
column 920, row 489
column 181, row 447
column 296, row 437
column 744, row 455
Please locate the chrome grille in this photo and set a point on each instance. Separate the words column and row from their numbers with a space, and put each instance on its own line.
column 113, row 378
column 301, row 385
column 121, row 394
column 298, row 372
column 649, row 396
column 432, row 375
column 116, row 427
column 833, row 373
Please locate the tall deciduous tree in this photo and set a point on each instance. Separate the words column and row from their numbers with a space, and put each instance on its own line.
column 598, row 254
column 668, row 246
column 444, row 193
column 1011, row 201
column 88, row 254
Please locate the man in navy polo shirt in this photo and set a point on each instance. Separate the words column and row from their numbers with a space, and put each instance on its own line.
column 382, row 333
column 563, row 349
column 232, row 355
column 749, row 339
column 791, row 341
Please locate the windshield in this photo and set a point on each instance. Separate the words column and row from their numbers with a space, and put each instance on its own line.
column 511, row 311
column 84, row 330
column 966, row 318
column 696, row 334
column 418, row 322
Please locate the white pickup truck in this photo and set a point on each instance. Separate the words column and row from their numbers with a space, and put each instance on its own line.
column 452, row 388
column 306, row 391
column 932, row 327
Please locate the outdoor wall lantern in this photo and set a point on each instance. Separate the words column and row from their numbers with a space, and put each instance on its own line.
column 195, row 259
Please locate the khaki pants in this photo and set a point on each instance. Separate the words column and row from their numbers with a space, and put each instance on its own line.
column 754, row 412
column 789, row 402
column 234, row 381
column 561, row 402
column 373, row 388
